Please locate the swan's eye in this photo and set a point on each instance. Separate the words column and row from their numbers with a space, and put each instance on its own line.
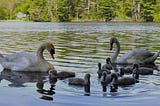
column 52, row 51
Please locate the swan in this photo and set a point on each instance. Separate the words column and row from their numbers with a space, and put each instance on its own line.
column 23, row 61
column 108, row 64
column 60, row 75
column 65, row 74
column 142, row 70
column 81, row 82
column 101, row 70
column 105, row 80
column 139, row 56
column 125, row 81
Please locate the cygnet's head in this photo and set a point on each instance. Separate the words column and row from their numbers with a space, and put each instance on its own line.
column 52, row 73
column 108, row 60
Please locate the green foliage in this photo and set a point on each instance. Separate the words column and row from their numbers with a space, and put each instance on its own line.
column 106, row 9
column 70, row 10
column 156, row 15
column 63, row 11
column 148, row 10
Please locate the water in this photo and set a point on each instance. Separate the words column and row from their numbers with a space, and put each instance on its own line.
column 79, row 47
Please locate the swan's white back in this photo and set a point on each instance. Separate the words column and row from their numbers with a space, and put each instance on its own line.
column 135, row 56
column 19, row 61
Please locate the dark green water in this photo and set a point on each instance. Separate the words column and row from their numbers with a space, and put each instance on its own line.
column 79, row 47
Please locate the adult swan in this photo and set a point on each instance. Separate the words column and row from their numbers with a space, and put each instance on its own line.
column 23, row 61
column 139, row 56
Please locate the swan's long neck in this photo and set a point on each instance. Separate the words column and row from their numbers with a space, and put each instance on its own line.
column 42, row 63
column 87, row 83
column 40, row 53
column 117, row 51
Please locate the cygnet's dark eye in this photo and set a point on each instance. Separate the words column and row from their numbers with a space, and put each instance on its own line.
column 52, row 51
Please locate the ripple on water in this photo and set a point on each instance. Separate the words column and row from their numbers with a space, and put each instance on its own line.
column 79, row 47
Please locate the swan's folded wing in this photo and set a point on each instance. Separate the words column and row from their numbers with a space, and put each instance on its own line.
column 136, row 55
column 13, row 66
column 19, row 61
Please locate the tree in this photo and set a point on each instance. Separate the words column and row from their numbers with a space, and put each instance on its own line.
column 66, row 10
column 157, row 11
column 107, row 9
column 148, row 10
column 3, row 11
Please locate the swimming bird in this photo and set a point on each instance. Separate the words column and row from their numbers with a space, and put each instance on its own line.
column 65, row 74
column 61, row 75
column 105, row 80
column 81, row 82
column 23, row 61
column 100, row 70
column 141, row 70
column 125, row 81
column 139, row 56
column 108, row 64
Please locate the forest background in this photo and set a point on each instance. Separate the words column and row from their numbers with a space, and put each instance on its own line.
column 80, row 10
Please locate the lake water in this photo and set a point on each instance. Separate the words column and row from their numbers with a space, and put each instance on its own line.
column 79, row 47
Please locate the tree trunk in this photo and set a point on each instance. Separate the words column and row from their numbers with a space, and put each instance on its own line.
column 137, row 10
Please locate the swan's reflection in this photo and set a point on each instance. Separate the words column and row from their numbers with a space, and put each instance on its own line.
column 18, row 79
column 47, row 93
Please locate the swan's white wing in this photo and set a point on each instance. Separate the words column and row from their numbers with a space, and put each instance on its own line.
column 136, row 55
column 19, row 61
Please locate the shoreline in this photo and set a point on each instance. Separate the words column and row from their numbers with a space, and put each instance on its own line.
column 83, row 21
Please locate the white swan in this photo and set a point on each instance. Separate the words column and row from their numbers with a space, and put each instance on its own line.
column 22, row 61
column 139, row 56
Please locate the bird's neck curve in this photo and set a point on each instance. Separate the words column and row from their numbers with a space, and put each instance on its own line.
column 117, row 51
column 40, row 53
column 87, row 84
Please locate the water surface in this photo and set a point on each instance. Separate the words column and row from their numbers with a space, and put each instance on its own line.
column 79, row 47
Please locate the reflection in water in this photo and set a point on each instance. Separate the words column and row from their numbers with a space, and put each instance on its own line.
column 18, row 79
column 79, row 47
column 114, row 88
column 47, row 94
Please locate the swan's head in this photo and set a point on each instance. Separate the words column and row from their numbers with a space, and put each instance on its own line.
column 135, row 66
column 99, row 66
column 108, row 60
column 51, row 49
column 99, row 72
column 87, row 79
column 112, row 41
